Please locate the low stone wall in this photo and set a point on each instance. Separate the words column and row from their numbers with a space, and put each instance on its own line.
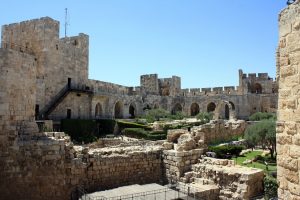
column 219, row 130
column 176, row 163
column 234, row 181
column 50, row 167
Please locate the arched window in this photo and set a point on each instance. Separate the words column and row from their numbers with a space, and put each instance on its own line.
column 256, row 88
column 194, row 109
column 211, row 107
column 119, row 110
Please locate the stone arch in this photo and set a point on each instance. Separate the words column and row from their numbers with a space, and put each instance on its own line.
column 156, row 106
column 232, row 105
column 226, row 111
column 211, row 107
column 229, row 111
column 98, row 110
column 132, row 110
column 256, row 88
column 118, row 110
column 176, row 108
column 195, row 109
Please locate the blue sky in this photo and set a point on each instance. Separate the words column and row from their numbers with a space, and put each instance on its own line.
column 204, row 42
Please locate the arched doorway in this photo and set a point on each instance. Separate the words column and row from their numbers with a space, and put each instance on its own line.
column 232, row 105
column 119, row 110
column 211, row 107
column 176, row 108
column 226, row 111
column 256, row 88
column 194, row 109
column 156, row 106
column 98, row 110
column 132, row 111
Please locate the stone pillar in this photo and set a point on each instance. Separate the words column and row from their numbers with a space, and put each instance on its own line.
column 288, row 125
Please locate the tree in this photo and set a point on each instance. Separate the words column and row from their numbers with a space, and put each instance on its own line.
column 156, row 114
column 259, row 116
column 262, row 133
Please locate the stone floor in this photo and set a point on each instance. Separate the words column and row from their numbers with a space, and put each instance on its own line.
column 138, row 192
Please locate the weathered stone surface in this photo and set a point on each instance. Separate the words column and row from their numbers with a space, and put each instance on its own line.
column 288, row 139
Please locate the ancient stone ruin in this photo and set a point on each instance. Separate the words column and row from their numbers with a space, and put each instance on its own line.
column 44, row 77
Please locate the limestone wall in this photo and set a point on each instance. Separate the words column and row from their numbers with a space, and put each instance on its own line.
column 50, row 167
column 17, row 95
column 176, row 163
column 78, row 103
column 57, row 59
column 218, row 130
column 288, row 132
column 235, row 182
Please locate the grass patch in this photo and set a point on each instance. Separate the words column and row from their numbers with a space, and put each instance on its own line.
column 251, row 155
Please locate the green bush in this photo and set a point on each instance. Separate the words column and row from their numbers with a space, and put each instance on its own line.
column 205, row 116
column 156, row 115
column 135, row 132
column 270, row 187
column 106, row 126
column 124, row 124
column 80, row 130
column 259, row 116
column 224, row 151
column 177, row 116
column 143, row 134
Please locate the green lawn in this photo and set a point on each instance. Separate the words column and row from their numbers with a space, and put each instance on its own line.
column 249, row 156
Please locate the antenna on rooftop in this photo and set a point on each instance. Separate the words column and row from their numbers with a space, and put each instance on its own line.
column 66, row 21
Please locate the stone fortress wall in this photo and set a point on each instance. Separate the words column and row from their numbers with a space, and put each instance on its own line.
column 64, row 90
column 288, row 132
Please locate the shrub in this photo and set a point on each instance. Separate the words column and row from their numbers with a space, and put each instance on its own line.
column 156, row 115
column 80, row 130
column 124, row 124
column 270, row 187
column 259, row 116
column 205, row 116
column 224, row 151
column 106, row 126
column 177, row 116
column 142, row 134
column 135, row 132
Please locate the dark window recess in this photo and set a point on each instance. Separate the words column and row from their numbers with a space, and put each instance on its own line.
column 69, row 82
column 57, row 47
column 68, row 113
column 37, row 110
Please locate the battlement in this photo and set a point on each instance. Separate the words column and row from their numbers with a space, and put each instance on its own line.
column 101, row 87
column 209, row 91
column 259, row 76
